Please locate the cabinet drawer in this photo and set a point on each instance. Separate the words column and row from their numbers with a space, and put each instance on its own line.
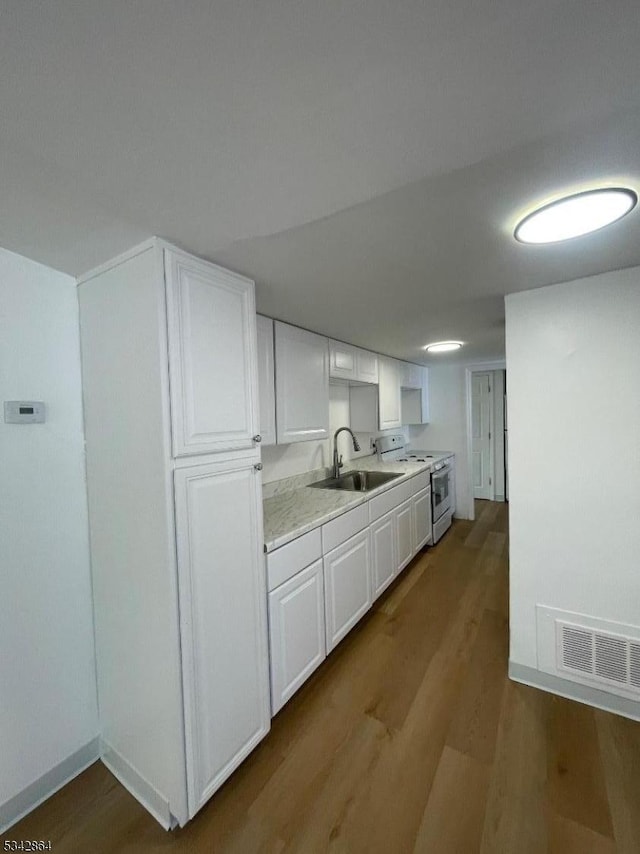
column 382, row 504
column 420, row 481
column 283, row 563
column 345, row 526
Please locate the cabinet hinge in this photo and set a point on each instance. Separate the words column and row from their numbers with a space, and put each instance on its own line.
column 489, row 433
column 490, row 481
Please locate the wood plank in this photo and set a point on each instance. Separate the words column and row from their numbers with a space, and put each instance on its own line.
column 515, row 818
column 569, row 837
column 474, row 725
column 619, row 740
column 454, row 816
column 577, row 787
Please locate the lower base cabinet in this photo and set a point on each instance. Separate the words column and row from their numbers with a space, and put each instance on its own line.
column 383, row 553
column 404, row 529
column 320, row 590
column 421, row 504
column 347, row 582
column 296, row 632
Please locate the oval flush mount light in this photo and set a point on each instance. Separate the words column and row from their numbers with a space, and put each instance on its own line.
column 442, row 346
column 576, row 215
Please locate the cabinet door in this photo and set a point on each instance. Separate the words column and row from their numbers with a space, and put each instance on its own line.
column 424, row 390
column 266, row 380
column 411, row 375
column 212, row 357
column 347, row 585
column 342, row 360
column 415, row 400
column 404, row 534
column 421, row 505
column 383, row 553
column 366, row 366
column 389, row 394
column 302, row 385
column 223, row 619
column 296, row 632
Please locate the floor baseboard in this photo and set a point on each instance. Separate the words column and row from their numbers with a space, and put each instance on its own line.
column 19, row 805
column 574, row 691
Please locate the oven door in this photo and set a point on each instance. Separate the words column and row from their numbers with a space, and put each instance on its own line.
column 441, row 492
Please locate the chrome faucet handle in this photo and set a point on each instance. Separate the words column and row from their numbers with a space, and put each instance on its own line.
column 340, row 463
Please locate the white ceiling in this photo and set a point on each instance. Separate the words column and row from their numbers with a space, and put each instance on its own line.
column 364, row 161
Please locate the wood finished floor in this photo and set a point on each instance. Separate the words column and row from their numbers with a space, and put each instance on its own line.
column 410, row 738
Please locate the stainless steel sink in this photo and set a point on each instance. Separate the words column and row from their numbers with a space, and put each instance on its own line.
column 356, row 481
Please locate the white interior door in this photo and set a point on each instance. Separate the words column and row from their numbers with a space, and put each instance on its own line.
column 481, row 430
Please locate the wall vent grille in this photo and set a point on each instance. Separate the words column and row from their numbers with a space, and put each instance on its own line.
column 634, row 665
column 598, row 656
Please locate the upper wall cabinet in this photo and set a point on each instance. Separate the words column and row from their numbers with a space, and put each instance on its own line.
column 389, row 408
column 366, row 366
column 415, row 396
column 352, row 363
column 302, row 384
column 342, row 360
column 266, row 380
column 212, row 357
column 411, row 375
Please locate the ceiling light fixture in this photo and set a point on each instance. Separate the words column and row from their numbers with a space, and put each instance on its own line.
column 576, row 215
column 443, row 346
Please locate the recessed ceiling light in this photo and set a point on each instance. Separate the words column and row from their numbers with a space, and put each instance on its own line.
column 443, row 346
column 576, row 215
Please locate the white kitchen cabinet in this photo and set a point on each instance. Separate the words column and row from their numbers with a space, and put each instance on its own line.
column 421, row 506
column 296, row 632
column 373, row 408
column 415, row 398
column 404, row 535
column 302, row 384
column 212, row 356
column 222, row 593
column 389, row 379
column 347, row 362
column 383, row 553
column 347, row 584
column 180, row 606
column 411, row 375
column 266, row 380
column 342, row 361
column 366, row 366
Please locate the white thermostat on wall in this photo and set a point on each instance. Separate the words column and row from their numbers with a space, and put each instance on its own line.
column 23, row 412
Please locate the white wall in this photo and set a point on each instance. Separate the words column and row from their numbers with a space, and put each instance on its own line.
column 47, row 677
column 448, row 428
column 573, row 363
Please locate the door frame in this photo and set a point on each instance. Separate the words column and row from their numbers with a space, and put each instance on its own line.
column 477, row 367
column 492, row 437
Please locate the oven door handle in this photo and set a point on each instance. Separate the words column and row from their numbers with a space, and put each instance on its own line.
column 441, row 472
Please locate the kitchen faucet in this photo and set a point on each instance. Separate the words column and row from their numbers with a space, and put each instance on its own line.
column 337, row 460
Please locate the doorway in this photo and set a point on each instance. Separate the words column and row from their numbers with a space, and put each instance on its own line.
column 486, row 433
column 482, row 431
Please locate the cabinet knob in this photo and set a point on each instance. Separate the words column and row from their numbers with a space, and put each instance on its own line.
column 257, row 438
column 258, row 467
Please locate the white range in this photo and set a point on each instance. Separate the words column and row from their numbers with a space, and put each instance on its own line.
column 393, row 449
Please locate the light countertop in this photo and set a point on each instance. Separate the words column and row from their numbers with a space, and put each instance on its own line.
column 290, row 514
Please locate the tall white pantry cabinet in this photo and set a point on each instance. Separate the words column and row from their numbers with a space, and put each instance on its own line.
column 173, row 473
